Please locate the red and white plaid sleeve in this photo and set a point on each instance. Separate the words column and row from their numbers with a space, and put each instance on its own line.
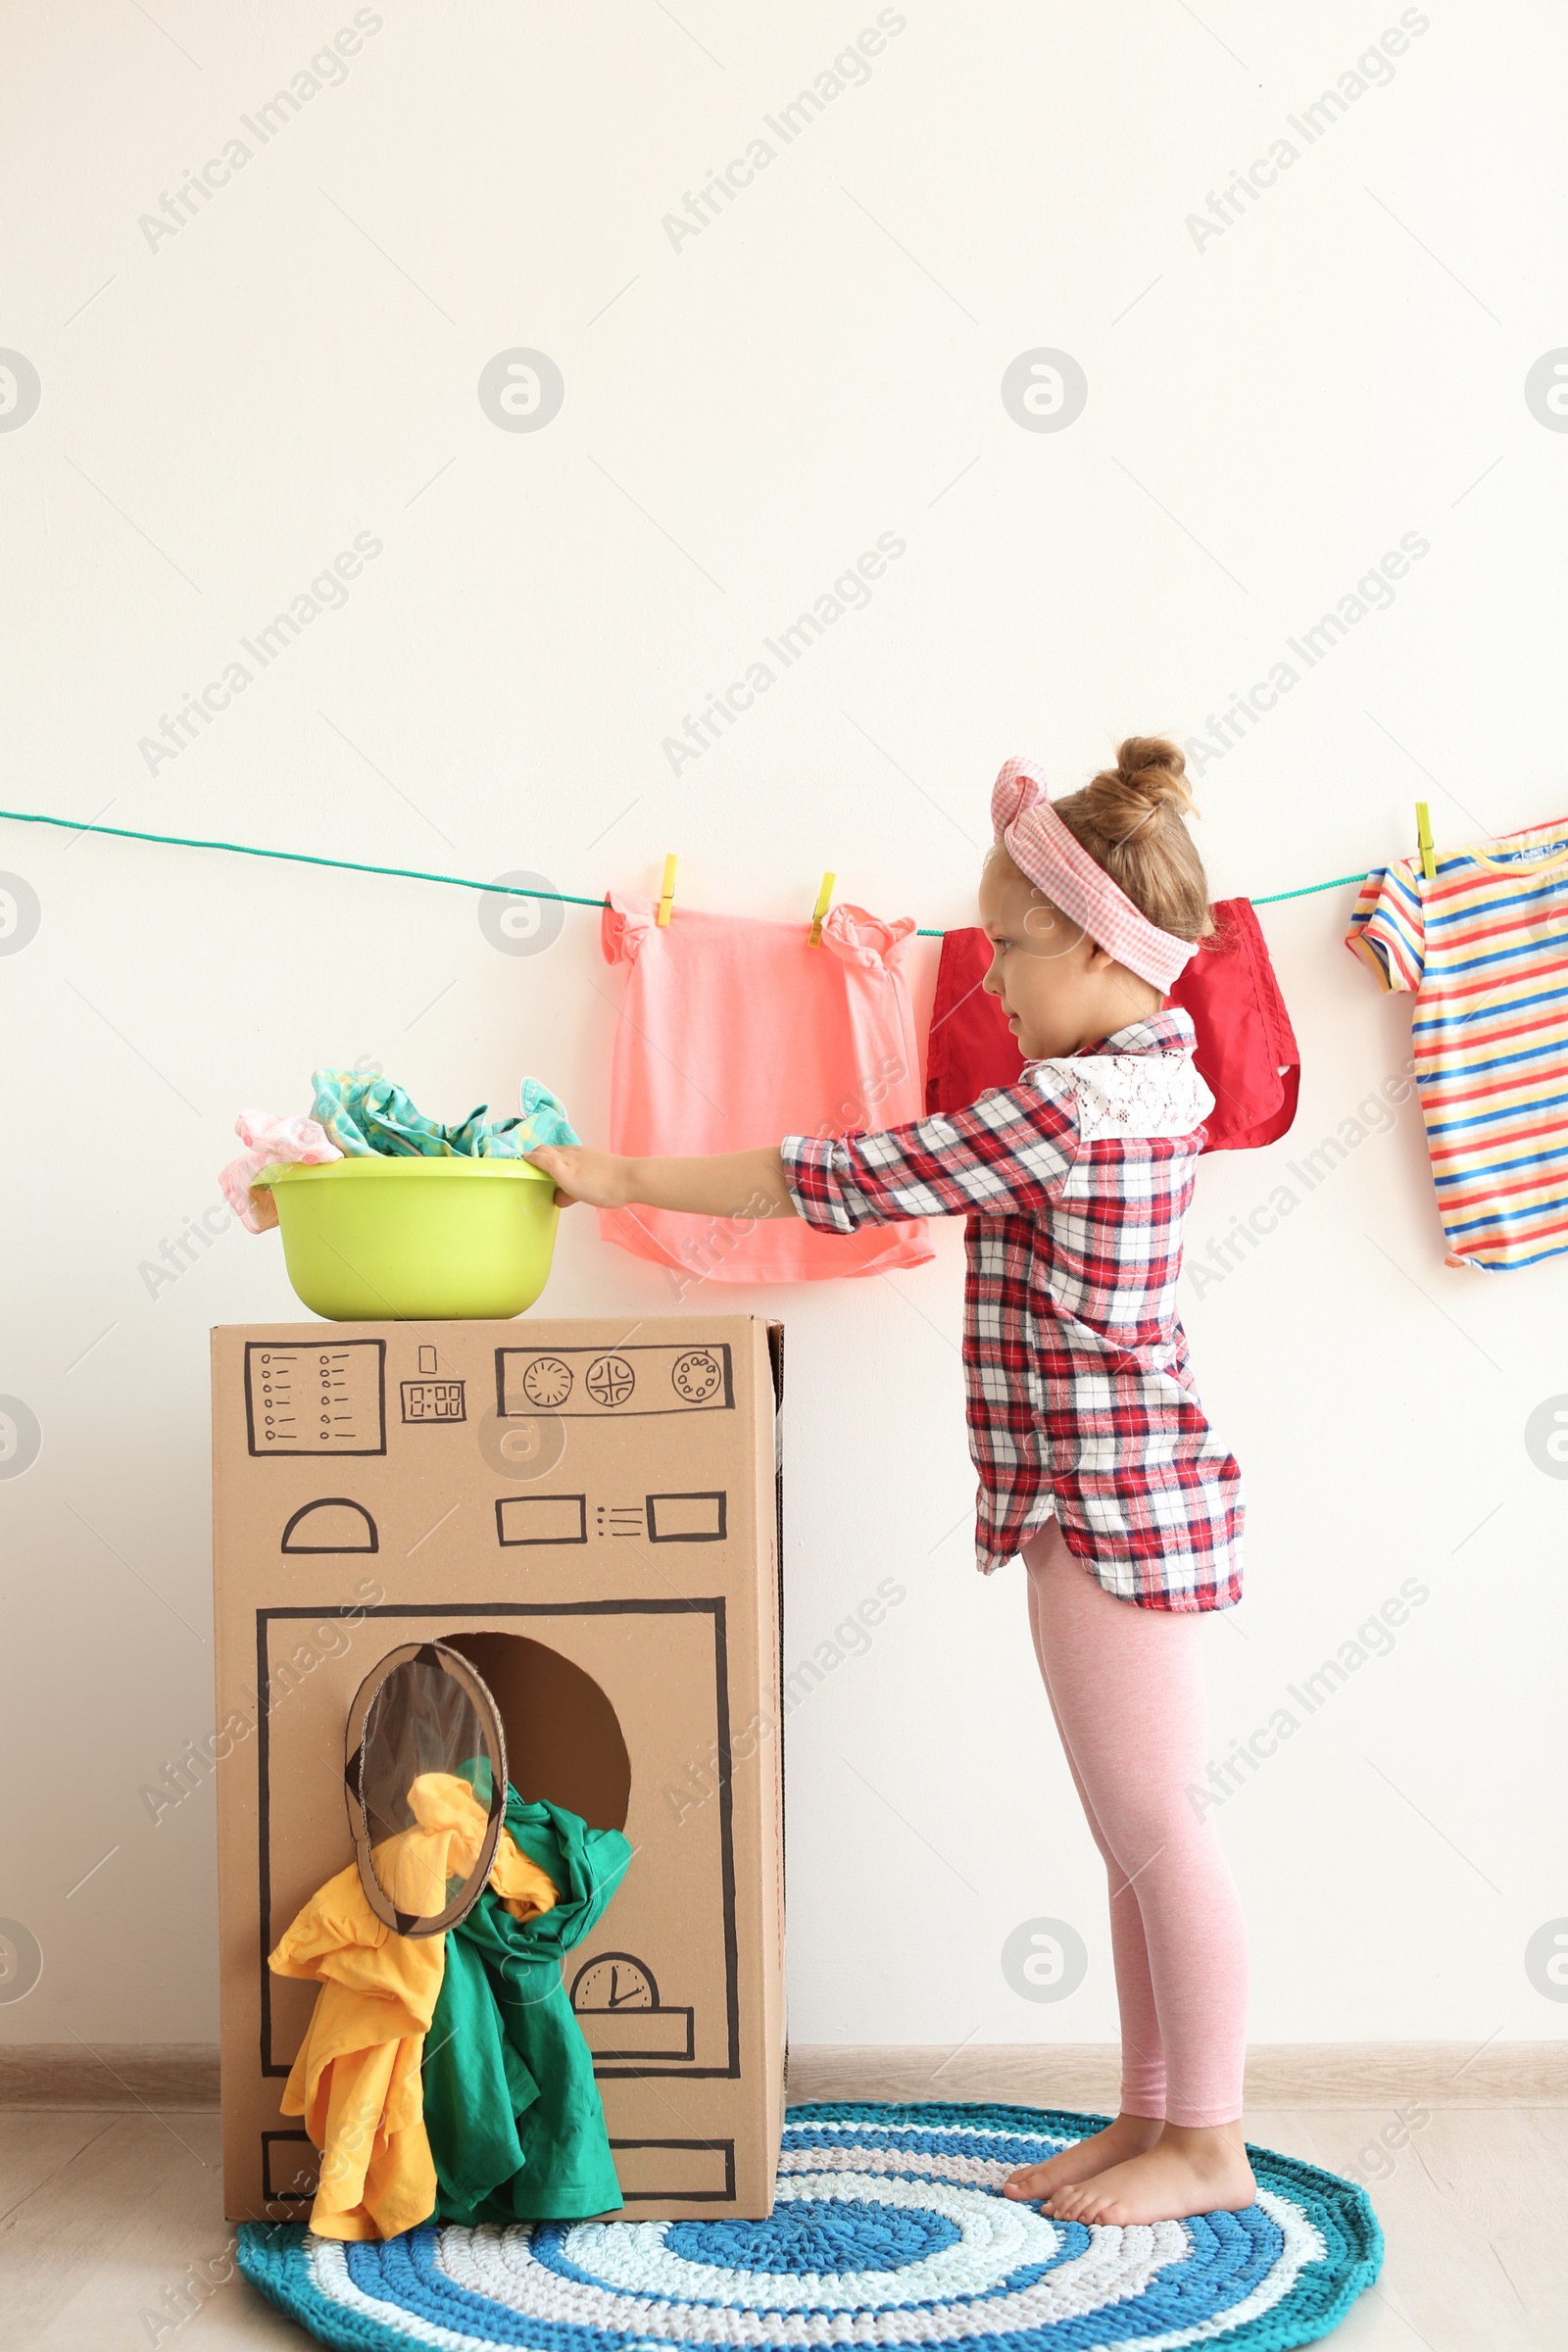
column 1007, row 1155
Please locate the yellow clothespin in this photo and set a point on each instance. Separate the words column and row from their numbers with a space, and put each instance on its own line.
column 1423, row 835
column 667, row 894
column 824, row 899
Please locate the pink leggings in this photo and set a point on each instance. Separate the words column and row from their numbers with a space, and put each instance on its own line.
column 1126, row 1688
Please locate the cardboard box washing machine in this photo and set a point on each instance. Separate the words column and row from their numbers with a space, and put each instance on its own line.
column 589, row 1511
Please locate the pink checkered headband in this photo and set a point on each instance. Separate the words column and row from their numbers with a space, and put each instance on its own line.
column 1042, row 847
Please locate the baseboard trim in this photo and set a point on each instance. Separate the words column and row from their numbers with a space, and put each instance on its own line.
column 162, row 2076
column 1353, row 2074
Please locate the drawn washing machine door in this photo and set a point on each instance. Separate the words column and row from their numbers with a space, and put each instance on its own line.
column 425, row 1778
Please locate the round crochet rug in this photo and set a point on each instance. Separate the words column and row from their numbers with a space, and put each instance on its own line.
column 889, row 2230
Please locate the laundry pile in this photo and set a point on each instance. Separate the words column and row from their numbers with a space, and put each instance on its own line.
column 352, row 1115
column 446, row 2075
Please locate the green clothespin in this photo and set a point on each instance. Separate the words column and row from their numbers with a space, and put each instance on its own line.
column 1423, row 835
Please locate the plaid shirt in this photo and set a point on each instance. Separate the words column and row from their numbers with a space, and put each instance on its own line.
column 1081, row 1400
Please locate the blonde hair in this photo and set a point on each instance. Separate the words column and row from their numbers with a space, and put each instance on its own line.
column 1130, row 820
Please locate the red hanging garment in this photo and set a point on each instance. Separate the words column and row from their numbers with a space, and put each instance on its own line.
column 1247, row 1051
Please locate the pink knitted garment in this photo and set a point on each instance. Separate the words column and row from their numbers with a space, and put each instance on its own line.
column 734, row 1033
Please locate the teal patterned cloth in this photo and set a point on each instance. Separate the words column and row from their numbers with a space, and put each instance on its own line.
column 370, row 1115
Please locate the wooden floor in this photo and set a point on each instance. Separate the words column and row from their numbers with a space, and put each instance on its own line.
column 105, row 2217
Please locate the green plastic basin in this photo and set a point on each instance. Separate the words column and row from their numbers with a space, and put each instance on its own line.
column 371, row 1240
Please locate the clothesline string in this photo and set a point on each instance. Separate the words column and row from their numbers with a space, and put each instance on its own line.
column 412, row 873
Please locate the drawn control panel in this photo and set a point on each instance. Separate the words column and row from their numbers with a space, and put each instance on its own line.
column 599, row 1382
column 684, row 1518
column 321, row 1398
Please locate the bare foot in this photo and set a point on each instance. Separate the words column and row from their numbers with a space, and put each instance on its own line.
column 1127, row 2136
column 1184, row 2172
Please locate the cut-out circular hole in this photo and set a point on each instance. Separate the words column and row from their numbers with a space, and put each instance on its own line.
column 564, row 1738
column 425, row 1782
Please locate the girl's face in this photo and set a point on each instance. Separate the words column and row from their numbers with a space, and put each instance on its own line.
column 1059, row 990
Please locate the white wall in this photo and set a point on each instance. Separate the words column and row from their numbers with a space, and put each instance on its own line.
column 224, row 409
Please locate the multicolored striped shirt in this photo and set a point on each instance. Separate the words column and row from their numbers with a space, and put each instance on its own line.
column 1483, row 950
column 1081, row 1400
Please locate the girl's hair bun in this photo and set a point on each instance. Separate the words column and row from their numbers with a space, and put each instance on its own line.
column 1150, row 773
column 1129, row 818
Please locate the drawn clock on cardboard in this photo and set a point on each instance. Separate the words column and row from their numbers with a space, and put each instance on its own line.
column 614, row 1980
column 547, row 1382
column 695, row 1376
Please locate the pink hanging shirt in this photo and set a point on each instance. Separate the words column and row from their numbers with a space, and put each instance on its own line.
column 734, row 1033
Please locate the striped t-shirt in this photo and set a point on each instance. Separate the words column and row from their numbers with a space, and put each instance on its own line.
column 1484, row 949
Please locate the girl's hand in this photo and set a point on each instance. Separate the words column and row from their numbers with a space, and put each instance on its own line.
column 601, row 1178
column 728, row 1184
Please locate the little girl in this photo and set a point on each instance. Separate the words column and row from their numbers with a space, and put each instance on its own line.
column 1096, row 1461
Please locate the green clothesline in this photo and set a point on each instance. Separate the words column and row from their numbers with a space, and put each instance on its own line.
column 413, row 873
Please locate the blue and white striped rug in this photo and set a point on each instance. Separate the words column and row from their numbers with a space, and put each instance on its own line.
column 889, row 2230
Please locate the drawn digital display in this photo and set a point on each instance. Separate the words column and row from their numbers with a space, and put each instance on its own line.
column 433, row 1401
